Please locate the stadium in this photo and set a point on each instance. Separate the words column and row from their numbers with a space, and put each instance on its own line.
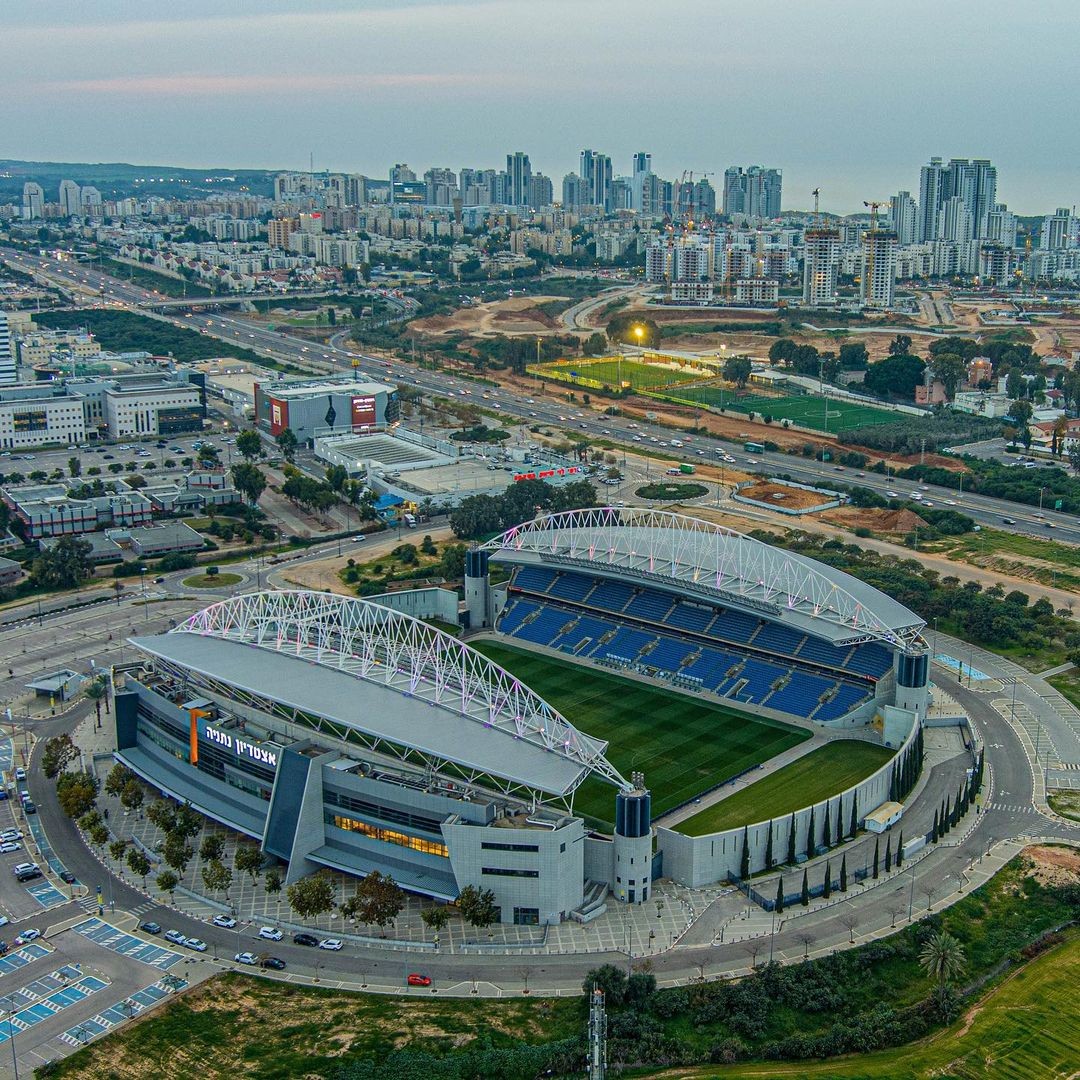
column 343, row 734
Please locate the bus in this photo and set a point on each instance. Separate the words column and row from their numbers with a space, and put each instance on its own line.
column 754, row 448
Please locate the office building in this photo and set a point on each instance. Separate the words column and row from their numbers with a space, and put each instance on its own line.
column 820, row 262
column 753, row 193
column 155, row 404
column 33, row 202
column 595, row 171
column 70, row 199
column 878, row 277
column 40, row 414
column 520, row 172
column 573, row 191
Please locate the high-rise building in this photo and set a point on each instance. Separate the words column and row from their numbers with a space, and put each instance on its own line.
column 541, row 191
column 91, row 201
column 400, row 175
column 754, row 193
column 822, row 255
column 903, row 214
column 520, row 171
column 1001, row 226
column 642, row 163
column 620, row 196
column 70, row 199
column 595, row 170
column 33, row 202
column 996, row 264
column 440, row 187
column 931, row 186
column 573, row 191
column 1058, row 231
column 878, row 277
column 974, row 183
column 703, row 199
column 7, row 354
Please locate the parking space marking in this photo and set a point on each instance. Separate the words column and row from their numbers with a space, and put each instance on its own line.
column 109, row 937
column 46, row 894
column 25, row 955
column 34, row 1011
column 118, row 1013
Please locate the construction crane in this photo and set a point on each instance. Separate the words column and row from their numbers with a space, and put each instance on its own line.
column 868, row 269
column 817, row 209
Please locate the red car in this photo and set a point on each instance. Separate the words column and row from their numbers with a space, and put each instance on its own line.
column 418, row 980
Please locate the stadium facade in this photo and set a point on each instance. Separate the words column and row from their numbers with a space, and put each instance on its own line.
column 340, row 733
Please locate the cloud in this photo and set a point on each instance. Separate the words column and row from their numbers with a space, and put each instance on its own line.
column 261, row 85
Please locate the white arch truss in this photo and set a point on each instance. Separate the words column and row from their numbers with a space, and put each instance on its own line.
column 395, row 650
column 710, row 558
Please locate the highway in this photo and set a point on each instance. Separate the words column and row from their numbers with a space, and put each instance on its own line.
column 545, row 409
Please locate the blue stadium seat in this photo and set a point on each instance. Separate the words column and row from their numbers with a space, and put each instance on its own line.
column 802, row 694
column 545, row 627
column 626, row 643
column 690, row 617
column 734, row 626
column 846, row 699
column 759, row 678
column 669, row 654
column 778, row 639
column 514, row 614
column 586, row 628
column 569, row 586
column 650, row 605
column 870, row 660
column 611, row 595
column 821, row 652
column 534, row 579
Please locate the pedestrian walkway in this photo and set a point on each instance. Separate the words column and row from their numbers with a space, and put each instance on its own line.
column 110, row 937
column 64, row 994
column 121, row 1011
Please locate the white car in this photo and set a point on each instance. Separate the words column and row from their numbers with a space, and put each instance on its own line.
column 331, row 943
column 10, row 834
column 246, row 958
column 196, row 944
column 270, row 933
column 10, row 845
column 227, row 921
column 4, row 920
column 175, row 937
column 27, row 935
column 892, row 495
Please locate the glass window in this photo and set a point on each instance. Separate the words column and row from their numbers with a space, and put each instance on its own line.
column 388, row 836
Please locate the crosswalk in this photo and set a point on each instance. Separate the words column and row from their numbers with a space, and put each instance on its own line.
column 1012, row 808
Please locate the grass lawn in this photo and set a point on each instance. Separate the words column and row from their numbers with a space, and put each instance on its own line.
column 1047, row 561
column 607, row 373
column 807, row 410
column 683, row 746
column 1038, row 654
column 823, row 772
column 1068, row 685
column 1066, row 803
column 151, row 279
column 212, row 581
column 1027, row 1028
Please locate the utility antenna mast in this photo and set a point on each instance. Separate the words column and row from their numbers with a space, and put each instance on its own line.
column 597, row 1035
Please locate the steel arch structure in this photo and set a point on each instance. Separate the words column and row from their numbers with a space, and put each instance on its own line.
column 396, row 651
column 707, row 557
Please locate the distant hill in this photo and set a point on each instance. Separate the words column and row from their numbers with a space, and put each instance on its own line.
column 119, row 179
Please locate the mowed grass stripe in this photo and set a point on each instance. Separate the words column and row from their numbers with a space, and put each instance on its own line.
column 825, row 771
column 684, row 746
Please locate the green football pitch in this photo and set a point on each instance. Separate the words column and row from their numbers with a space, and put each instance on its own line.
column 601, row 373
column 806, row 410
column 829, row 769
column 682, row 745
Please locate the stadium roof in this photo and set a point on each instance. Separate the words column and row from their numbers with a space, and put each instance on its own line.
column 387, row 676
column 716, row 562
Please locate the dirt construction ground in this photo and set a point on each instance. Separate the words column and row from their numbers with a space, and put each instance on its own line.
column 518, row 315
column 781, row 495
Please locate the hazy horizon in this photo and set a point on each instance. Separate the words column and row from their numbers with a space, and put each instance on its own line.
column 850, row 97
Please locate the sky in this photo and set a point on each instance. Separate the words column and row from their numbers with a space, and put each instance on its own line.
column 850, row 96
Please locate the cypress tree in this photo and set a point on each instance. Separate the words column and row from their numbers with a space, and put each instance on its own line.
column 839, row 820
column 947, row 816
column 900, row 850
column 935, row 834
column 828, row 881
column 827, row 838
column 888, row 854
column 843, row 874
column 810, row 835
column 769, row 860
column 876, row 842
column 779, row 895
column 791, row 842
column 804, row 899
column 941, row 818
column 854, row 814
column 744, row 865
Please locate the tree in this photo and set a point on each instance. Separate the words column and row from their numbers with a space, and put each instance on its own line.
column 843, row 874
column 779, row 908
column 849, row 920
column 435, row 917
column 58, row 754
column 854, row 824
column 942, row 958
column 217, row 877
column 744, row 860
column 249, row 480
column 66, row 565
column 595, row 345
column 131, row 798
column 288, row 445
column 769, row 861
column 828, row 880
column 895, row 376
column 900, row 345
column 827, row 839
column 888, row 854
column 248, row 860
column 138, row 864
column 176, row 851
column 117, row 848
column 212, row 847
column 336, row 477
column 611, row 980
column 76, row 792
column 273, row 880
column 162, row 814
column 810, row 843
column 781, row 351
column 949, row 369
column 380, row 899
column 97, row 689
column 476, row 516
column 935, row 833
column 877, row 841
column 791, row 842
column 477, row 906
column 427, row 546
column 804, row 895
column 167, row 881
column 188, row 822
column 249, row 444
column 312, row 896
column 74, row 467
column 900, row 851
column 853, row 357
column 737, row 369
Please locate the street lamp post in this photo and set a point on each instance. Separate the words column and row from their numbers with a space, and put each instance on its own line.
column 11, row 1036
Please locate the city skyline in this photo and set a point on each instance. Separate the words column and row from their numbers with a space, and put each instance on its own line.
column 418, row 82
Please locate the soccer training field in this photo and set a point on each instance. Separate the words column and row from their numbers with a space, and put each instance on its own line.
column 599, row 373
column 806, row 410
column 826, row 771
column 683, row 746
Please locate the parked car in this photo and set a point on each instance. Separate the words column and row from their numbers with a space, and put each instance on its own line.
column 68, row 876
column 274, row 963
column 10, row 845
column 227, row 921
column 196, row 944
column 29, row 807
column 331, row 943
column 27, row 936
column 306, row 939
column 418, row 980
column 19, row 868
column 175, row 937
column 20, row 773
column 246, row 958
column 270, row 933
column 150, row 928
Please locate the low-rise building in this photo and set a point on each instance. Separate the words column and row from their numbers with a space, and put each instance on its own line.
column 159, row 539
column 10, row 572
column 40, row 415
column 47, row 510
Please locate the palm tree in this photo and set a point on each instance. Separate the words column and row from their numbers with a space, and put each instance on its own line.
column 96, row 690
column 942, row 958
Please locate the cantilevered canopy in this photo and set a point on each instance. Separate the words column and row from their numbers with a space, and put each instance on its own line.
column 391, row 678
column 716, row 562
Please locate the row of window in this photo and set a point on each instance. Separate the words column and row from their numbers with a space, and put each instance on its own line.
column 505, row 871
column 384, row 813
column 509, row 847
column 388, row 836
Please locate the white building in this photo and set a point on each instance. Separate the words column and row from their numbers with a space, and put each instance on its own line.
column 33, row 416
column 757, row 291
column 878, row 278
column 904, row 214
column 820, row 261
column 7, row 354
column 33, row 202
column 155, row 411
column 70, row 199
column 1058, row 231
